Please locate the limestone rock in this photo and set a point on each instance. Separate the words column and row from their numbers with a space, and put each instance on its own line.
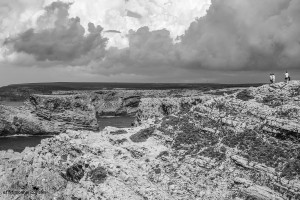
column 186, row 145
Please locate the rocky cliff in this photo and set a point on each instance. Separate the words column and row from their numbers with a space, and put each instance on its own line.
column 75, row 110
column 48, row 114
column 53, row 114
column 223, row 144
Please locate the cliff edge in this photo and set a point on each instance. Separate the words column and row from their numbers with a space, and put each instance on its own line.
column 238, row 144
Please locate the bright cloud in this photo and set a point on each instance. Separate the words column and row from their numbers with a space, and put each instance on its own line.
column 152, row 38
column 123, row 15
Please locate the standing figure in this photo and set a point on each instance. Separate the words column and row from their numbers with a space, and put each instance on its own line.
column 287, row 77
column 272, row 78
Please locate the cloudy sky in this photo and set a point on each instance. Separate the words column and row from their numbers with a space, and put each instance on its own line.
column 223, row 41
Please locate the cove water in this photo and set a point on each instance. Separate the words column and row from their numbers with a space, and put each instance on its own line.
column 19, row 142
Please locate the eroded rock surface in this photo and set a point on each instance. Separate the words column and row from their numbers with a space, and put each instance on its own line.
column 49, row 114
column 53, row 114
column 228, row 144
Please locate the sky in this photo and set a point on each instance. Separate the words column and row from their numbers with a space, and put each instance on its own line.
column 186, row 41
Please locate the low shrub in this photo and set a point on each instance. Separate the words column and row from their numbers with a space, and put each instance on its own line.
column 189, row 134
column 212, row 152
column 272, row 101
column 98, row 175
column 270, row 151
column 142, row 135
column 244, row 95
column 74, row 173
column 291, row 112
column 170, row 121
column 220, row 105
column 295, row 92
column 166, row 109
column 185, row 107
column 291, row 169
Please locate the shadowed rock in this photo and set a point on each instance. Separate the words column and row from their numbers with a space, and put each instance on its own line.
column 98, row 175
column 118, row 132
column 142, row 135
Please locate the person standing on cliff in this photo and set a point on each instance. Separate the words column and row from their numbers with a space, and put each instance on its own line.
column 272, row 78
column 287, row 77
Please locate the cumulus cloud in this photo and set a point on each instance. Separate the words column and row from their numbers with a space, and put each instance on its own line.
column 242, row 34
column 133, row 14
column 60, row 38
column 173, row 15
column 149, row 53
column 112, row 31
column 235, row 35
column 16, row 15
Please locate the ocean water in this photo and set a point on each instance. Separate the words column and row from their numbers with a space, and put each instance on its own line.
column 115, row 121
column 19, row 143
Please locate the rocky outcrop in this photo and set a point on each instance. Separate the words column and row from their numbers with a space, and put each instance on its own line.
column 45, row 114
column 240, row 144
column 75, row 110
column 115, row 103
column 260, row 126
column 87, row 165
column 53, row 114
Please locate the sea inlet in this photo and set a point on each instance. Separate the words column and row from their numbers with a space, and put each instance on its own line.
column 19, row 142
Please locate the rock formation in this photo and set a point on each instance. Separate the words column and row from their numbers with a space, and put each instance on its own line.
column 48, row 114
column 225, row 144
column 53, row 114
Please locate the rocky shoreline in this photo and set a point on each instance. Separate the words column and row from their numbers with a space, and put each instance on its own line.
column 54, row 114
column 186, row 144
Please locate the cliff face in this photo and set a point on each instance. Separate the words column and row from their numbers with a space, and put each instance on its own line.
column 53, row 114
column 116, row 102
column 254, row 132
column 75, row 110
column 226, row 144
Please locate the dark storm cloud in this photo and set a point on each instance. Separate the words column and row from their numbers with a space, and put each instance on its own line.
column 235, row 35
column 112, row 31
column 133, row 14
column 243, row 34
column 149, row 52
column 64, row 41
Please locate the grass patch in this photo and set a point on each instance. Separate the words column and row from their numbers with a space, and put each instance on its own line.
column 272, row 152
column 295, row 92
column 288, row 113
column 291, row 169
column 212, row 152
column 74, row 173
column 189, row 134
column 169, row 122
column 255, row 145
